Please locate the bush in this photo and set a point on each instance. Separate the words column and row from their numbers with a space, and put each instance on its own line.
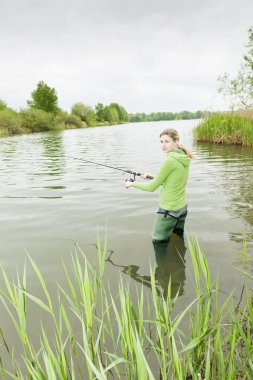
column 85, row 113
column 36, row 120
column 64, row 120
column 3, row 105
column 9, row 122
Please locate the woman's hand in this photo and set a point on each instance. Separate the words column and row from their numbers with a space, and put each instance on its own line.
column 180, row 146
column 128, row 184
column 189, row 153
column 144, row 175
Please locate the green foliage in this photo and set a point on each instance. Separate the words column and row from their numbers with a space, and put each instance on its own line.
column 85, row 113
column 240, row 88
column 44, row 98
column 36, row 120
column 63, row 120
column 122, row 113
column 99, row 109
column 111, row 115
column 9, row 122
column 226, row 128
column 157, row 116
column 3, row 105
column 91, row 333
column 248, row 58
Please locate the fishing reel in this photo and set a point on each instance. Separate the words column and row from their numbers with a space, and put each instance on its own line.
column 134, row 175
column 132, row 179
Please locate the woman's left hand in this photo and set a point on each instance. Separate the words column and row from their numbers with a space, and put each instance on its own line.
column 128, row 184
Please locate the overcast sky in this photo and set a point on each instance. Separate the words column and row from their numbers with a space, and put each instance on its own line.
column 147, row 55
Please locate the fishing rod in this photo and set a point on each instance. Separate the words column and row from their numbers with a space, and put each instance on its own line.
column 112, row 167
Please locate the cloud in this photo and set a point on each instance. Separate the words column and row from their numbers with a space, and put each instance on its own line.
column 146, row 55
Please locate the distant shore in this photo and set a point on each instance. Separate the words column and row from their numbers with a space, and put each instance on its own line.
column 34, row 120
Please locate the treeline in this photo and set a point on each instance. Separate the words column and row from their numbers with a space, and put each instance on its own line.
column 102, row 115
column 158, row 116
column 44, row 114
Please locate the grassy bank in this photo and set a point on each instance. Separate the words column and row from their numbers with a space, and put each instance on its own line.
column 227, row 128
column 91, row 334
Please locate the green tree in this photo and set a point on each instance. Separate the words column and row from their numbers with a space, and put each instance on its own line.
column 185, row 115
column 122, row 113
column 3, row 105
column 44, row 98
column 111, row 114
column 99, row 108
column 85, row 113
column 240, row 88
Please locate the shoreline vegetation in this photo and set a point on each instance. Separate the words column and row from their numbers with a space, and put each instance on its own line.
column 227, row 128
column 44, row 114
column 33, row 120
column 91, row 333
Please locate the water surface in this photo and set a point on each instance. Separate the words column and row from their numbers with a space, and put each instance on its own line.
column 49, row 201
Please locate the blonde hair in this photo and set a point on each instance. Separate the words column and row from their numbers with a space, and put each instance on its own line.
column 172, row 133
column 175, row 137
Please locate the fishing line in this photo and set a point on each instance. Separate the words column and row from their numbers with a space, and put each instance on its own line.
column 111, row 167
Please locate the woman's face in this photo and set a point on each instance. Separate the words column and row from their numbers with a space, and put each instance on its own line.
column 167, row 143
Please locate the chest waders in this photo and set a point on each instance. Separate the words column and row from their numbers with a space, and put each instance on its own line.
column 167, row 222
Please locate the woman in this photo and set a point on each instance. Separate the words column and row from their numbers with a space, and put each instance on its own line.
column 173, row 176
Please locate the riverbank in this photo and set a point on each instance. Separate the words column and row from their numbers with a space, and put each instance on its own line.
column 227, row 128
column 36, row 120
column 98, row 335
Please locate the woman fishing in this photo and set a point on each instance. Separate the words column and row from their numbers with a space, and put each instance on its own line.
column 172, row 176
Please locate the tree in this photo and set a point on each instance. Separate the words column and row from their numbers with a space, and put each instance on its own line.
column 122, row 113
column 85, row 113
column 240, row 89
column 3, row 105
column 99, row 108
column 111, row 114
column 44, row 98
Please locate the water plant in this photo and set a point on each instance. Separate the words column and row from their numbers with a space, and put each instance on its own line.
column 226, row 128
column 93, row 333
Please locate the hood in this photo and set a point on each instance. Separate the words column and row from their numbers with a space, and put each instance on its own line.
column 180, row 156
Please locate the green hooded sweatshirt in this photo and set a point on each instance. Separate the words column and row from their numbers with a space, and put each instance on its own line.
column 173, row 176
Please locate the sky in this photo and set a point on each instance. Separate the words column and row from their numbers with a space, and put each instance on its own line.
column 146, row 55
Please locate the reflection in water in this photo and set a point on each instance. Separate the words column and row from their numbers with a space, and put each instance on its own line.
column 170, row 267
column 235, row 179
column 53, row 152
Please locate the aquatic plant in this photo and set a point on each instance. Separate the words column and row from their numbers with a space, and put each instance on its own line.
column 91, row 333
column 226, row 128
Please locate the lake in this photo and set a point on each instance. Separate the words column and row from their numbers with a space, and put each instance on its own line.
column 51, row 200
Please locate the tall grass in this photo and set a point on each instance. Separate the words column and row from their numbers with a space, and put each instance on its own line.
column 100, row 336
column 227, row 128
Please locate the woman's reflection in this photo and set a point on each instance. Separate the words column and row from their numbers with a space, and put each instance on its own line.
column 170, row 259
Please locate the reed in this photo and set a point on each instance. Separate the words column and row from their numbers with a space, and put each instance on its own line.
column 227, row 128
column 98, row 335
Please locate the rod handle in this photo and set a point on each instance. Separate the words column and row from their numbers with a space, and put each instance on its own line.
column 147, row 176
